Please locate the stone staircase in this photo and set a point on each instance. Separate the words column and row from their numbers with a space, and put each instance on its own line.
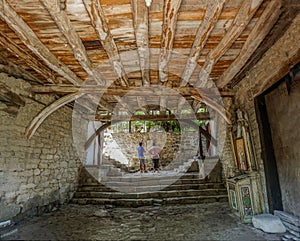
column 184, row 164
column 292, row 224
column 109, row 167
column 133, row 190
column 7, row 228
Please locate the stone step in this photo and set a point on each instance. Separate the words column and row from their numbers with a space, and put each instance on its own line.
column 115, row 163
column 209, row 163
column 115, row 172
column 150, row 183
column 156, row 194
column 289, row 237
column 192, row 179
column 7, row 228
column 103, row 188
column 145, row 189
column 94, row 188
column 287, row 217
column 5, row 224
column 150, row 201
column 138, row 177
column 196, row 186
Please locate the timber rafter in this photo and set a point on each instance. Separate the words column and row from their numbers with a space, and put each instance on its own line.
column 160, row 117
column 121, row 91
column 112, row 51
column 141, row 28
column 38, row 120
column 187, row 121
column 20, row 53
column 99, row 22
column 214, row 9
column 171, row 8
column 30, row 39
column 259, row 32
column 65, row 26
column 243, row 17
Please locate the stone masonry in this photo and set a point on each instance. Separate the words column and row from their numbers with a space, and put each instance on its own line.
column 266, row 72
column 172, row 143
column 40, row 173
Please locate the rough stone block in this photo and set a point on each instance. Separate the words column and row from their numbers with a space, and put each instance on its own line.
column 268, row 223
column 37, row 172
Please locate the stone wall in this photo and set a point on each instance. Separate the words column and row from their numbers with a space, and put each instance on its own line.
column 40, row 173
column 175, row 144
column 263, row 75
column 283, row 112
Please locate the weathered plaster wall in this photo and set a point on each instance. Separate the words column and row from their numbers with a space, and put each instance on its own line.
column 39, row 173
column 273, row 66
column 283, row 112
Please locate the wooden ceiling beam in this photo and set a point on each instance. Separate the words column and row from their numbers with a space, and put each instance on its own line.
column 31, row 41
column 16, row 71
column 6, row 42
column 171, row 8
column 188, row 121
column 243, row 17
column 215, row 106
column 67, row 29
column 285, row 20
column 141, row 28
column 257, row 35
column 267, row 78
column 99, row 22
column 130, row 91
column 213, row 11
column 109, row 123
column 38, row 120
column 161, row 117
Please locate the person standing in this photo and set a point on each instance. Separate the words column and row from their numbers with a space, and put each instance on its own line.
column 155, row 151
column 141, row 157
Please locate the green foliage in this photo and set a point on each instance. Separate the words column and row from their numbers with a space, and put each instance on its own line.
column 140, row 112
column 199, row 123
column 166, row 125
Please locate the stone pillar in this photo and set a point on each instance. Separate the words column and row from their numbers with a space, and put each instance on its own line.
column 232, row 168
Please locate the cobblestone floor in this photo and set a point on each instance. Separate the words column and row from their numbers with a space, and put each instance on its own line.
column 184, row 222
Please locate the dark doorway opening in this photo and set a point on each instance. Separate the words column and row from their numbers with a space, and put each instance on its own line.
column 278, row 116
column 268, row 155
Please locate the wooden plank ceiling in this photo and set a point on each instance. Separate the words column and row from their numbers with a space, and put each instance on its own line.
column 121, row 50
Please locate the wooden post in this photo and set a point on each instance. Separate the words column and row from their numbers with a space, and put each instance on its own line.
column 234, row 162
column 201, row 146
column 129, row 128
column 99, row 150
column 249, row 158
